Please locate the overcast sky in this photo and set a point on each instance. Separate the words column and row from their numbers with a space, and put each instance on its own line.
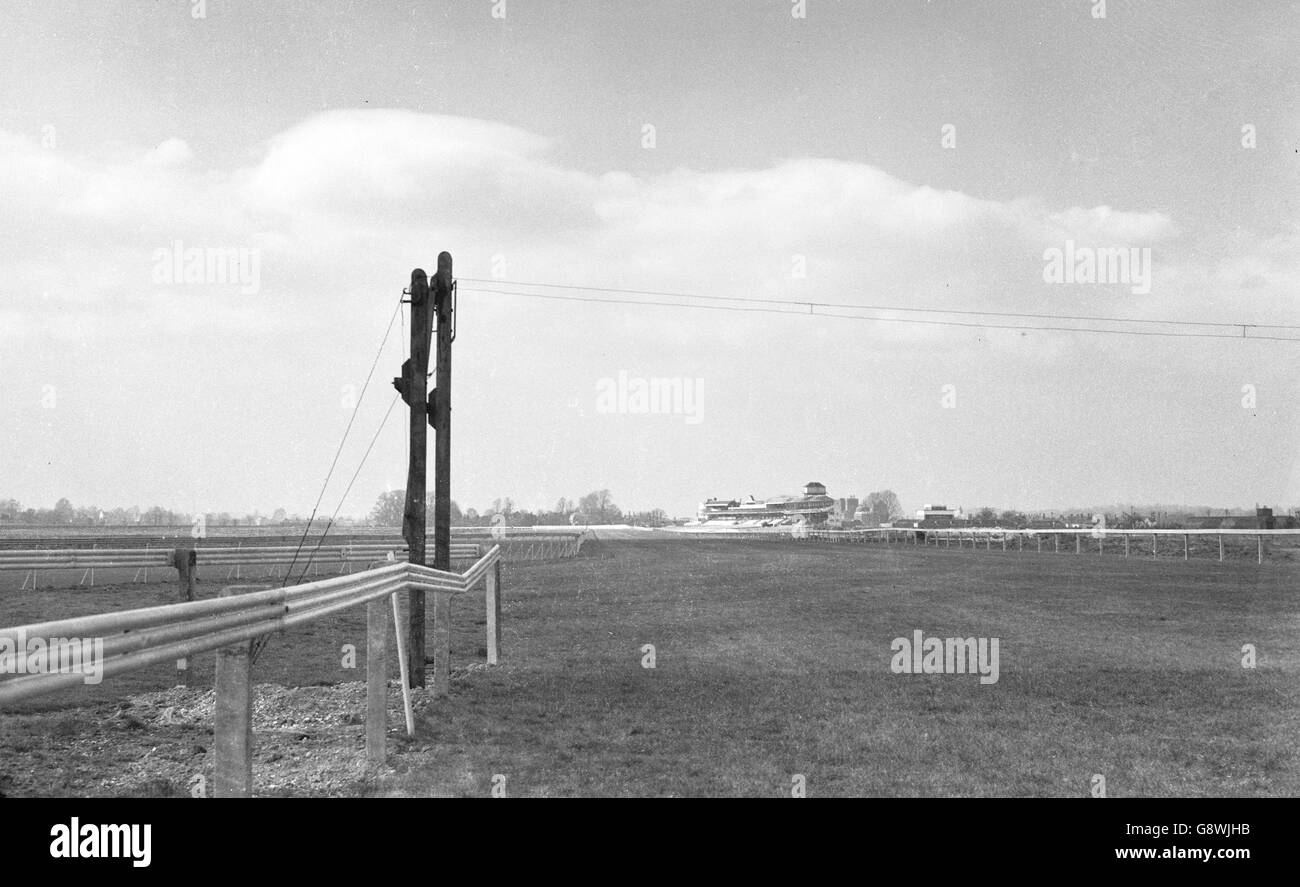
column 790, row 159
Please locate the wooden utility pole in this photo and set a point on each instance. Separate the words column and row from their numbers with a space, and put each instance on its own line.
column 412, row 384
column 441, row 401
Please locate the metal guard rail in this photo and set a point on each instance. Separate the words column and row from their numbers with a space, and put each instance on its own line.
column 134, row 639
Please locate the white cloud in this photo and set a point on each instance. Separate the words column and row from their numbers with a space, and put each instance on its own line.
column 1104, row 226
column 346, row 196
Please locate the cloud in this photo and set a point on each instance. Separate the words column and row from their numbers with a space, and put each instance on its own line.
column 172, row 152
column 402, row 167
column 346, row 196
column 1104, row 226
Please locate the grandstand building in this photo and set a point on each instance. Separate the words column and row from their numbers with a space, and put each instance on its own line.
column 813, row 507
column 938, row 515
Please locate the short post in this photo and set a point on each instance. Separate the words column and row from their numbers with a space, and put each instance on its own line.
column 1220, row 548
column 403, row 666
column 441, row 642
column 1259, row 544
column 1126, row 545
column 1155, row 544
column 185, row 560
column 1078, row 549
column 1004, row 541
column 1057, row 538
column 1186, row 553
column 377, row 616
column 1101, row 543
column 494, row 614
column 233, row 720
column 1040, row 544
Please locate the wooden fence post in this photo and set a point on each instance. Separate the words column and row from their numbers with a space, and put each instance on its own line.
column 232, row 712
column 1078, row 549
column 441, row 642
column 494, row 614
column 1155, row 544
column 376, row 681
column 1186, row 552
column 1056, row 537
column 1220, row 548
column 1126, row 545
column 1259, row 543
column 185, row 560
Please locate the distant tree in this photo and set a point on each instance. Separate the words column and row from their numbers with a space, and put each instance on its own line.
column 1012, row 519
column 985, row 517
column 599, row 508
column 63, row 511
column 389, row 509
column 278, row 516
column 883, row 506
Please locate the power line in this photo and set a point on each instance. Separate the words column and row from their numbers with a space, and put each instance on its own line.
column 803, row 303
column 337, row 452
column 259, row 644
column 348, row 489
column 755, row 309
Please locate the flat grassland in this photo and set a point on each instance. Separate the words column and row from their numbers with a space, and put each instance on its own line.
column 771, row 660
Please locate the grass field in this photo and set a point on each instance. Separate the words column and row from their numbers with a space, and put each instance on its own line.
column 772, row 659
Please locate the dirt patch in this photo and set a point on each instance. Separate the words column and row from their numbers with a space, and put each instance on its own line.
column 308, row 742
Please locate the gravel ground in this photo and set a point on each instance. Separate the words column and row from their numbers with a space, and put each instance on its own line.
column 308, row 742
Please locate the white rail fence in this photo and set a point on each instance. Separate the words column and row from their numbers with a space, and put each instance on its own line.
column 1021, row 539
column 52, row 653
column 275, row 559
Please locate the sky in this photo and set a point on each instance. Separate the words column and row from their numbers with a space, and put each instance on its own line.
column 903, row 154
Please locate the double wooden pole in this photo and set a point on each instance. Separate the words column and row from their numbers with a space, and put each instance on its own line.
column 431, row 301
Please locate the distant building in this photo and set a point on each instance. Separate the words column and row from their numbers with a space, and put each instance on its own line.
column 938, row 516
column 1263, row 519
column 813, row 507
column 844, row 512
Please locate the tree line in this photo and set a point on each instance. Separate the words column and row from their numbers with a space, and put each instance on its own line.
column 597, row 507
column 64, row 513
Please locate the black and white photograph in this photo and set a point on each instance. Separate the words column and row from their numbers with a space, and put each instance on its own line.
column 736, row 399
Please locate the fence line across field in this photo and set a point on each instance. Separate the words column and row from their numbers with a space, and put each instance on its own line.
column 136, row 639
column 18, row 539
column 947, row 536
column 186, row 559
